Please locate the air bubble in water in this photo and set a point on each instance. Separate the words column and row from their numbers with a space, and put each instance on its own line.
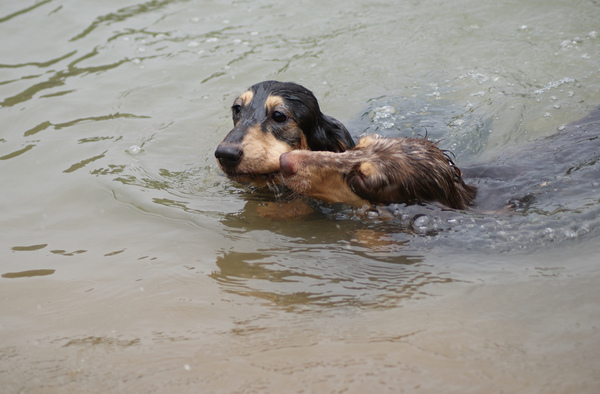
column 372, row 215
column 134, row 150
column 383, row 112
column 420, row 223
column 548, row 232
column 570, row 234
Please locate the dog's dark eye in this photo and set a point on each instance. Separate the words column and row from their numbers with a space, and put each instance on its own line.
column 236, row 109
column 279, row 117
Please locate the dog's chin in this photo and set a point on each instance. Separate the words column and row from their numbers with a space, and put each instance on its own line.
column 255, row 179
column 297, row 184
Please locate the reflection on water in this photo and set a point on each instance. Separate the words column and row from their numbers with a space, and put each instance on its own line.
column 324, row 276
column 28, row 274
column 102, row 342
column 323, row 261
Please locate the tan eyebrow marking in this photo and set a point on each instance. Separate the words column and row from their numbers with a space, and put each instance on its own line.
column 246, row 97
column 272, row 102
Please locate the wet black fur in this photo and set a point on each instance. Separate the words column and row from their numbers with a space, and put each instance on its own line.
column 323, row 132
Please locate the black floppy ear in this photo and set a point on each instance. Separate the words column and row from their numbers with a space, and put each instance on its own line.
column 329, row 134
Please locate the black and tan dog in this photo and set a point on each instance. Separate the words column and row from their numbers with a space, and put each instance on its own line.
column 272, row 118
column 379, row 170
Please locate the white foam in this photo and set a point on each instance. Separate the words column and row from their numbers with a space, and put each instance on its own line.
column 554, row 85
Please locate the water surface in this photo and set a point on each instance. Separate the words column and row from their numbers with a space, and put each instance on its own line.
column 130, row 263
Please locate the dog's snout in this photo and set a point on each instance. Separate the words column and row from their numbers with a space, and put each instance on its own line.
column 286, row 165
column 229, row 155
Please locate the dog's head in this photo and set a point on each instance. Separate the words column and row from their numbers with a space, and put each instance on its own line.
column 272, row 118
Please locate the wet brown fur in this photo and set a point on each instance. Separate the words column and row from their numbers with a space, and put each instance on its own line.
column 272, row 118
column 379, row 170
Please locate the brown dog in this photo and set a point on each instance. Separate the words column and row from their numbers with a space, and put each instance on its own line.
column 272, row 118
column 379, row 170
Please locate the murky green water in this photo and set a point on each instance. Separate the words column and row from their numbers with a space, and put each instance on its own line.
column 147, row 270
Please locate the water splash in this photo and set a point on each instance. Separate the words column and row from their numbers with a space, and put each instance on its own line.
column 275, row 185
column 554, row 84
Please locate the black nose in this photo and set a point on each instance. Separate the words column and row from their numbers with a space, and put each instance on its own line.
column 229, row 155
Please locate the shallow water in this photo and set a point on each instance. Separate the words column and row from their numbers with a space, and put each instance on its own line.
column 130, row 263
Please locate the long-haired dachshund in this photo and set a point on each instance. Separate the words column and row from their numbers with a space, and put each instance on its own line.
column 379, row 170
column 272, row 118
